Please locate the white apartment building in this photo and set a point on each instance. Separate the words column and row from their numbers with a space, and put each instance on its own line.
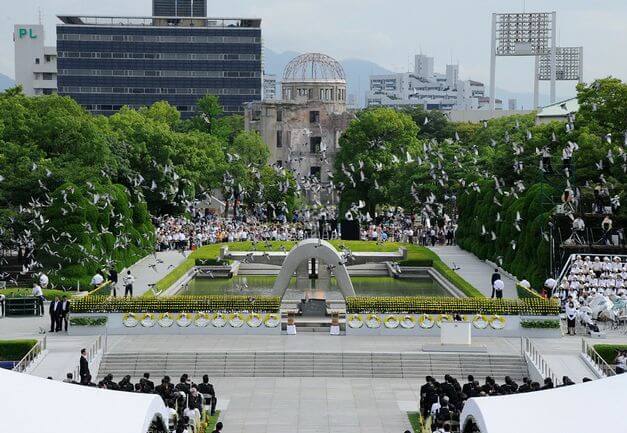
column 35, row 64
column 432, row 90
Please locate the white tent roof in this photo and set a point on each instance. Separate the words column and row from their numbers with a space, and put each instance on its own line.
column 552, row 410
column 32, row 404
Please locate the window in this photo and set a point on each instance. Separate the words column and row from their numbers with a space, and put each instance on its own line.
column 279, row 139
column 314, row 144
column 256, row 115
column 279, row 115
column 36, row 60
column 314, row 171
column 314, row 117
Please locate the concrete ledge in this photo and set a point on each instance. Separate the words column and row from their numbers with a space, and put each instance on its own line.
column 455, row 348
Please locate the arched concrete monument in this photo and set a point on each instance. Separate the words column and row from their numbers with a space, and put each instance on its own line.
column 314, row 249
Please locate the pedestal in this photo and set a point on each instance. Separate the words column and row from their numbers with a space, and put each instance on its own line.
column 291, row 329
column 455, row 333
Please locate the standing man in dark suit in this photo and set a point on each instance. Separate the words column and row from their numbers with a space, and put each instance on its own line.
column 65, row 313
column 84, row 366
column 55, row 315
column 495, row 276
column 206, row 389
column 113, row 277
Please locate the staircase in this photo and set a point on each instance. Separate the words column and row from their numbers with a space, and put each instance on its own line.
column 310, row 364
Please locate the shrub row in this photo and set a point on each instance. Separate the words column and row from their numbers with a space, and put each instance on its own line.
column 525, row 293
column 15, row 350
column 609, row 351
column 533, row 307
column 540, row 324
column 49, row 294
column 174, row 304
column 88, row 321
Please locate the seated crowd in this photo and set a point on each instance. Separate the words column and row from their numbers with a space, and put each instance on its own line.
column 441, row 403
column 188, row 402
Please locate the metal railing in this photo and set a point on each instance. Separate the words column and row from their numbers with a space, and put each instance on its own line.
column 31, row 355
column 597, row 361
column 99, row 345
column 535, row 356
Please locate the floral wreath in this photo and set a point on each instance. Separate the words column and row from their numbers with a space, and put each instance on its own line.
column 272, row 320
column 355, row 321
column 480, row 321
column 218, row 320
column 497, row 322
column 408, row 322
column 254, row 320
column 165, row 321
column 147, row 320
column 236, row 320
column 202, row 319
column 426, row 321
column 373, row 321
column 391, row 322
column 129, row 320
column 184, row 319
column 443, row 318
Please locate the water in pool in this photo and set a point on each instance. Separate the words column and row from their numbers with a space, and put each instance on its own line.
column 321, row 289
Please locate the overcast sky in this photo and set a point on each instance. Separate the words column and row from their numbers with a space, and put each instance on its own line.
column 385, row 32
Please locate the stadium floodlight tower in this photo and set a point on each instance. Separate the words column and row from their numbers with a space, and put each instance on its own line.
column 523, row 34
column 568, row 67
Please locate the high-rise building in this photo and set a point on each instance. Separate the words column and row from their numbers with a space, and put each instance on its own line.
column 107, row 62
column 179, row 8
column 35, row 64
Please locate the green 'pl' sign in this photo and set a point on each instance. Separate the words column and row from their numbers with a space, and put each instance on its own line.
column 22, row 33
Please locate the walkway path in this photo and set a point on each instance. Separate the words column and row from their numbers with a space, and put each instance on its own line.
column 472, row 269
column 145, row 275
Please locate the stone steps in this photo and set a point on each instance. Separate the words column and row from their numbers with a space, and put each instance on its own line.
column 310, row 364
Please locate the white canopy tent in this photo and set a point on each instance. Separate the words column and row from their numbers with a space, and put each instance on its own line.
column 30, row 404
column 553, row 410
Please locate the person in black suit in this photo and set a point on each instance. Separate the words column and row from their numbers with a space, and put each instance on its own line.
column 55, row 314
column 65, row 312
column 113, row 277
column 206, row 389
column 467, row 388
column 148, row 386
column 84, row 366
column 495, row 276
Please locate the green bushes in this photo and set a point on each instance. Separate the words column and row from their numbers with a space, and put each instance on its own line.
column 15, row 350
column 88, row 321
column 524, row 292
column 174, row 304
column 540, row 324
column 431, row 305
column 102, row 290
column 49, row 294
column 211, row 262
column 609, row 351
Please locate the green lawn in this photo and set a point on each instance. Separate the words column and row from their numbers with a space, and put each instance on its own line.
column 211, row 422
column 416, row 256
column 15, row 350
column 416, row 421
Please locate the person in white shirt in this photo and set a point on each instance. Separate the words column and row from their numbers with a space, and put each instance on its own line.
column 571, row 316
column 39, row 294
column 128, row 280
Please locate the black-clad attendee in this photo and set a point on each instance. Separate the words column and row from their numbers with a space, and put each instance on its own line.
column 495, row 276
column 113, row 277
column 65, row 313
column 207, row 390
column 69, row 378
column 148, row 385
column 55, row 314
column 83, row 365
column 218, row 428
column 87, row 381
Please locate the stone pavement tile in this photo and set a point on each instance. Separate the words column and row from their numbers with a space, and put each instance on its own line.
column 344, row 429
column 346, row 419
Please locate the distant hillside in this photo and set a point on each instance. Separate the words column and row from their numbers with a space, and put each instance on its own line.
column 5, row 82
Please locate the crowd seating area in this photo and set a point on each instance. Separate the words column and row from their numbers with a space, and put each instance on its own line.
column 189, row 403
column 441, row 403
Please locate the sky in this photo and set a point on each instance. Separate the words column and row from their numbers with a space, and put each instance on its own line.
column 386, row 32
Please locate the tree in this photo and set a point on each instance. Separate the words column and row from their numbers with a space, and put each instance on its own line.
column 210, row 109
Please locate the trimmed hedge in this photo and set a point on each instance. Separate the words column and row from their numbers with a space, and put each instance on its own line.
column 608, row 351
column 525, row 293
column 540, row 324
column 175, row 304
column 102, row 290
column 49, row 294
column 431, row 305
column 15, row 350
column 88, row 321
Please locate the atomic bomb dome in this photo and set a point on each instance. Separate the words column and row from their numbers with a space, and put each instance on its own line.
column 314, row 67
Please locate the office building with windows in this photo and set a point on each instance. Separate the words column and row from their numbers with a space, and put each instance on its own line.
column 179, row 8
column 105, row 63
column 35, row 64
